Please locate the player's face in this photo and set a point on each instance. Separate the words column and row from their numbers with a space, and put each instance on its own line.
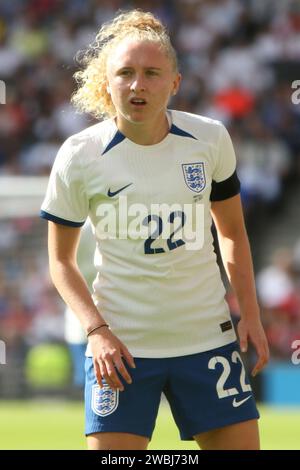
column 141, row 79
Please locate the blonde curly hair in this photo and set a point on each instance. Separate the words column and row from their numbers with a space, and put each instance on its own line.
column 91, row 95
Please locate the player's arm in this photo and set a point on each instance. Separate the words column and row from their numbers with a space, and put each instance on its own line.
column 107, row 348
column 236, row 256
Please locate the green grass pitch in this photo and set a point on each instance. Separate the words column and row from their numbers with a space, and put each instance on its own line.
column 59, row 425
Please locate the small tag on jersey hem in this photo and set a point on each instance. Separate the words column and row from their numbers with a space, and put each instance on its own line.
column 227, row 325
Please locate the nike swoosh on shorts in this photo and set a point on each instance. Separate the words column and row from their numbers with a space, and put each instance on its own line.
column 114, row 193
column 235, row 403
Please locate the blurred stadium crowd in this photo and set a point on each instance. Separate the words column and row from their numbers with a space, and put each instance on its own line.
column 238, row 59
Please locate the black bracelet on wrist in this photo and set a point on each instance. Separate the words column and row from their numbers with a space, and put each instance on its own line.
column 96, row 328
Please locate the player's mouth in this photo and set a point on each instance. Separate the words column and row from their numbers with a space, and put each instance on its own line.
column 139, row 102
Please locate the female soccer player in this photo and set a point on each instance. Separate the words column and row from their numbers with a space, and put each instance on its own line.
column 150, row 179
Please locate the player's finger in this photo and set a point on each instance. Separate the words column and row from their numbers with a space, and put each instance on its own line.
column 243, row 340
column 122, row 370
column 106, row 376
column 263, row 357
column 257, row 368
column 128, row 356
column 98, row 375
column 113, row 376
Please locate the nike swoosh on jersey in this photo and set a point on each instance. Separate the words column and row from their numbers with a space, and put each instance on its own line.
column 235, row 403
column 114, row 193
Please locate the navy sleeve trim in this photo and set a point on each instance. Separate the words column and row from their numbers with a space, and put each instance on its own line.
column 225, row 189
column 58, row 220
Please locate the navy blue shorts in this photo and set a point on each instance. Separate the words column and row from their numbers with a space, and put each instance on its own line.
column 205, row 391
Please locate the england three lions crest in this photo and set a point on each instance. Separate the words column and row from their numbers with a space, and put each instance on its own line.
column 194, row 176
column 104, row 400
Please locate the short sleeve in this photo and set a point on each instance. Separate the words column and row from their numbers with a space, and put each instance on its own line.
column 226, row 160
column 225, row 182
column 66, row 200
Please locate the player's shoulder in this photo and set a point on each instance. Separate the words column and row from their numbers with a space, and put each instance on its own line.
column 91, row 141
column 200, row 127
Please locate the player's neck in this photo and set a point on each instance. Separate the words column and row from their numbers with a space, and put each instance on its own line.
column 145, row 133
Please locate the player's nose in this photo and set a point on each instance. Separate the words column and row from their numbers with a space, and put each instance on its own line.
column 137, row 85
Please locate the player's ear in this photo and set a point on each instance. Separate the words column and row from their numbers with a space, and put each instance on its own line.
column 176, row 84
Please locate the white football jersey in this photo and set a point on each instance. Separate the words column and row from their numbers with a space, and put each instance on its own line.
column 158, row 288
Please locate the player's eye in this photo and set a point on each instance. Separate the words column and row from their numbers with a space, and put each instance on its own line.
column 152, row 72
column 125, row 73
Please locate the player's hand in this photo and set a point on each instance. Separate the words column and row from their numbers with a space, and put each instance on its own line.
column 253, row 330
column 108, row 354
